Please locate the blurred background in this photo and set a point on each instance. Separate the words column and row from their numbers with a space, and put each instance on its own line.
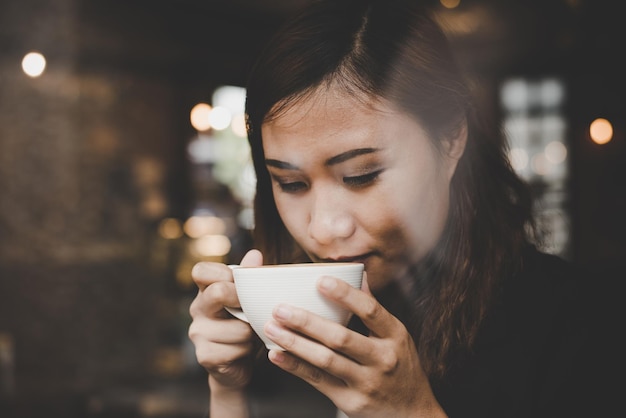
column 123, row 161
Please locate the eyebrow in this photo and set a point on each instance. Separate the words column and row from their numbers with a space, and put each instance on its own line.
column 339, row 158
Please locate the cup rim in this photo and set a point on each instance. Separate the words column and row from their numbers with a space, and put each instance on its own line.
column 299, row 265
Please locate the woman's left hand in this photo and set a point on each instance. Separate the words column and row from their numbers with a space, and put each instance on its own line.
column 365, row 376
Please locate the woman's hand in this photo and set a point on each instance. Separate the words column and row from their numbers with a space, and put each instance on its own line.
column 365, row 376
column 224, row 345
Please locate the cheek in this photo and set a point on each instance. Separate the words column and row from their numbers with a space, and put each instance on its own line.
column 418, row 208
column 294, row 215
column 426, row 216
column 383, row 217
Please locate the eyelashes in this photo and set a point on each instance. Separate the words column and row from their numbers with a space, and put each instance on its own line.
column 362, row 180
column 292, row 187
column 353, row 182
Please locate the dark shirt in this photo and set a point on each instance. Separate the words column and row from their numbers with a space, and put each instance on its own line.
column 547, row 348
column 537, row 351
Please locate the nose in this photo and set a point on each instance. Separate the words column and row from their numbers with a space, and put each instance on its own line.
column 330, row 219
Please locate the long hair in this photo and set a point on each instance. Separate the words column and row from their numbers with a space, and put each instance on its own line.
column 393, row 49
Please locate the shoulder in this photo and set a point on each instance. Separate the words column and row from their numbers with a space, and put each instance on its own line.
column 538, row 265
column 543, row 299
column 555, row 296
column 551, row 278
column 544, row 278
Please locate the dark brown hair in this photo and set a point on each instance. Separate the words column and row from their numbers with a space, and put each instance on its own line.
column 393, row 49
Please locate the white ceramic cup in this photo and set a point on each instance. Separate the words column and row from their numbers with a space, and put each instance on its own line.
column 261, row 288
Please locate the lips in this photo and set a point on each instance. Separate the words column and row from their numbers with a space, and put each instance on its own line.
column 362, row 258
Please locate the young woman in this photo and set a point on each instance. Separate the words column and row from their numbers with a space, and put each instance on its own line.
column 368, row 147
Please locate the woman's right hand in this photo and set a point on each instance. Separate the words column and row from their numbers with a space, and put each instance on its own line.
column 224, row 345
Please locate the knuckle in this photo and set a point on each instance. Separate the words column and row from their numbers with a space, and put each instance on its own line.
column 343, row 289
column 372, row 310
column 315, row 375
column 357, row 404
column 301, row 319
column 289, row 341
column 216, row 291
column 389, row 361
column 196, row 308
column 339, row 340
column 370, row 390
column 203, row 357
column 326, row 360
column 193, row 333
column 193, row 308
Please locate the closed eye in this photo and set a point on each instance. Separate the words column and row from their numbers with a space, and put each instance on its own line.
column 292, row 187
column 362, row 180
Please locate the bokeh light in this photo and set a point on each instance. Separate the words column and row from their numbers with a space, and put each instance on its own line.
column 518, row 158
column 555, row 152
column 450, row 4
column 200, row 117
column 33, row 64
column 601, row 131
column 200, row 225
column 170, row 228
column 220, row 118
column 212, row 246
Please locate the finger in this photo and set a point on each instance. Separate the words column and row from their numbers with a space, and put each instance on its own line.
column 318, row 377
column 206, row 273
column 252, row 258
column 229, row 331
column 211, row 301
column 321, row 356
column 217, row 358
column 375, row 317
column 322, row 340
column 365, row 286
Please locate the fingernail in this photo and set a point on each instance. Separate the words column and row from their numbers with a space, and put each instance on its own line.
column 277, row 356
column 273, row 330
column 198, row 270
column 327, row 283
column 282, row 312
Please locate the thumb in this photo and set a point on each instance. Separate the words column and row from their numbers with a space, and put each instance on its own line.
column 253, row 258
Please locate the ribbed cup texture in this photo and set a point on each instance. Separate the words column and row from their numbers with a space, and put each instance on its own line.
column 261, row 289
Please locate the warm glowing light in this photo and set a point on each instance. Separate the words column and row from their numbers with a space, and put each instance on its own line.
column 212, row 245
column 555, row 152
column 198, row 226
column 33, row 64
column 450, row 4
column 170, row 228
column 238, row 125
column 220, row 118
column 601, row 131
column 153, row 205
column 518, row 158
column 200, row 117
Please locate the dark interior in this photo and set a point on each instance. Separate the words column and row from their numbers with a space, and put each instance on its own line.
column 93, row 305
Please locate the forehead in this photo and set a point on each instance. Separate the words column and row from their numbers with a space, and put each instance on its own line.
column 329, row 102
column 329, row 115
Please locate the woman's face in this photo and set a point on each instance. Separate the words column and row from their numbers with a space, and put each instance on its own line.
column 358, row 183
